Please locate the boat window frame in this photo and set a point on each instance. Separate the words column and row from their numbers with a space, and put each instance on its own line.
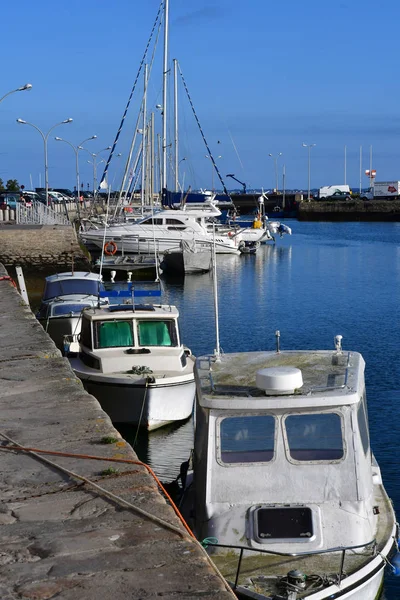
column 218, row 444
column 175, row 338
column 362, row 407
column 95, row 335
column 308, row 413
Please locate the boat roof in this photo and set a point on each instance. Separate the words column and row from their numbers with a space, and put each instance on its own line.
column 329, row 378
column 192, row 213
column 125, row 311
column 74, row 275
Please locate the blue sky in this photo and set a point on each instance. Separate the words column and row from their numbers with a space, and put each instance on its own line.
column 264, row 77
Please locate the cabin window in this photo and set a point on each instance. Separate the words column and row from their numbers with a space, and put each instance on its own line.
column 157, row 333
column 152, row 221
column 68, row 309
column 247, row 439
column 363, row 426
column 114, row 334
column 85, row 335
column 314, row 437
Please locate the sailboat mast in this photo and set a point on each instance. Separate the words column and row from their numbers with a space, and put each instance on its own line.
column 176, row 123
column 164, row 108
column 144, row 153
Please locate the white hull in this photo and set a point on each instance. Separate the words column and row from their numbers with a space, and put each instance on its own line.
column 144, row 245
column 151, row 406
column 58, row 327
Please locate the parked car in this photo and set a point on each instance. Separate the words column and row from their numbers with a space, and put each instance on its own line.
column 65, row 192
column 9, row 200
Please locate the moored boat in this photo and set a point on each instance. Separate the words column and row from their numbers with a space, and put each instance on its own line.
column 130, row 357
column 64, row 297
column 285, row 490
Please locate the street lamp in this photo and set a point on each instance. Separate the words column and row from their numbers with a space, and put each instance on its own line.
column 212, row 169
column 276, row 168
column 76, row 150
column 95, row 165
column 27, row 86
column 309, row 146
column 45, row 138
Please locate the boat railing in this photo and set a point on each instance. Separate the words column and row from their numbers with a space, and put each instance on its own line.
column 342, row 549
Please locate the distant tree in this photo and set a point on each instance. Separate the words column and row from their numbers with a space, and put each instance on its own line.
column 12, row 185
column 1, row 185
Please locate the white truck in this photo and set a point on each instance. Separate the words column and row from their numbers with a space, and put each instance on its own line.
column 383, row 190
column 336, row 191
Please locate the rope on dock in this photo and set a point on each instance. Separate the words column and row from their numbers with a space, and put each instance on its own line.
column 188, row 535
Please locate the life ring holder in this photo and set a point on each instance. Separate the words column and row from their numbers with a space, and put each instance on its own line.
column 110, row 248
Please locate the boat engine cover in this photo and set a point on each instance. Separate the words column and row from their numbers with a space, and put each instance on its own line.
column 279, row 380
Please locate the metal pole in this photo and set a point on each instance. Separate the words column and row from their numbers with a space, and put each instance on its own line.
column 309, row 173
column 144, row 153
column 176, row 123
column 152, row 156
column 283, row 186
column 360, row 169
column 345, row 164
column 165, row 81
column 78, row 210
column 370, row 168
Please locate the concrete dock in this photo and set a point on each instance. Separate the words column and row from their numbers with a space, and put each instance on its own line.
column 60, row 536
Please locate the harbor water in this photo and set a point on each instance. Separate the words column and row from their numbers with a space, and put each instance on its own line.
column 325, row 279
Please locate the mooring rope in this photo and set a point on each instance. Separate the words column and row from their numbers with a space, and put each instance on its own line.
column 189, row 537
column 202, row 134
column 130, row 97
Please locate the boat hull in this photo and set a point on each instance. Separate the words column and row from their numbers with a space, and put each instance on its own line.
column 59, row 327
column 149, row 405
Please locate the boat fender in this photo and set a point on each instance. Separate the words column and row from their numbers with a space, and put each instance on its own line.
column 110, row 248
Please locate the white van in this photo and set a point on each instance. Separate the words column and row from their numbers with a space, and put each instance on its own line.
column 331, row 190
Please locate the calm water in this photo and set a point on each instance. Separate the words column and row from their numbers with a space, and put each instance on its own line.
column 326, row 279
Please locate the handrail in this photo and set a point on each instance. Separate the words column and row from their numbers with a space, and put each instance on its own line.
column 342, row 549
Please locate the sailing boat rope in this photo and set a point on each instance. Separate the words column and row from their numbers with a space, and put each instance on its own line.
column 129, row 159
column 202, row 134
column 131, row 95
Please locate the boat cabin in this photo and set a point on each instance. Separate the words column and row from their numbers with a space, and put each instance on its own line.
column 282, row 457
column 115, row 337
column 65, row 284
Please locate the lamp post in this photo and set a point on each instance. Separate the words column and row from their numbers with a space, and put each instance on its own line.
column 212, row 169
column 276, row 169
column 309, row 146
column 95, row 164
column 76, row 150
column 27, row 86
column 45, row 137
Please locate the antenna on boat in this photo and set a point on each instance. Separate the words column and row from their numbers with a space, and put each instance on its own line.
column 338, row 344
column 278, row 337
column 217, row 351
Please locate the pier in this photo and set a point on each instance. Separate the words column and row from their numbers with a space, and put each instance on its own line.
column 91, row 523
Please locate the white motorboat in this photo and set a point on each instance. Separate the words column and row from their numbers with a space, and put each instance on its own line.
column 189, row 259
column 285, row 490
column 163, row 231
column 131, row 359
column 64, row 297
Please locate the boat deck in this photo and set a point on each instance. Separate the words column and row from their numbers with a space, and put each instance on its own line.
column 259, row 571
column 327, row 373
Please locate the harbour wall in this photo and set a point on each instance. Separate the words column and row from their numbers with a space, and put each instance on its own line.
column 350, row 210
column 41, row 246
column 60, row 535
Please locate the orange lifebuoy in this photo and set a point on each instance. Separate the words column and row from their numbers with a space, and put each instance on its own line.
column 110, row 248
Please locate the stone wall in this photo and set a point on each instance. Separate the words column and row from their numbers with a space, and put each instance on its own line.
column 350, row 210
column 41, row 245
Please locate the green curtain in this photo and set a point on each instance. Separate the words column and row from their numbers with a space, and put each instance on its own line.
column 115, row 333
column 154, row 333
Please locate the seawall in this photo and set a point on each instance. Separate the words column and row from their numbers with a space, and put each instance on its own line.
column 350, row 210
column 40, row 246
column 60, row 536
